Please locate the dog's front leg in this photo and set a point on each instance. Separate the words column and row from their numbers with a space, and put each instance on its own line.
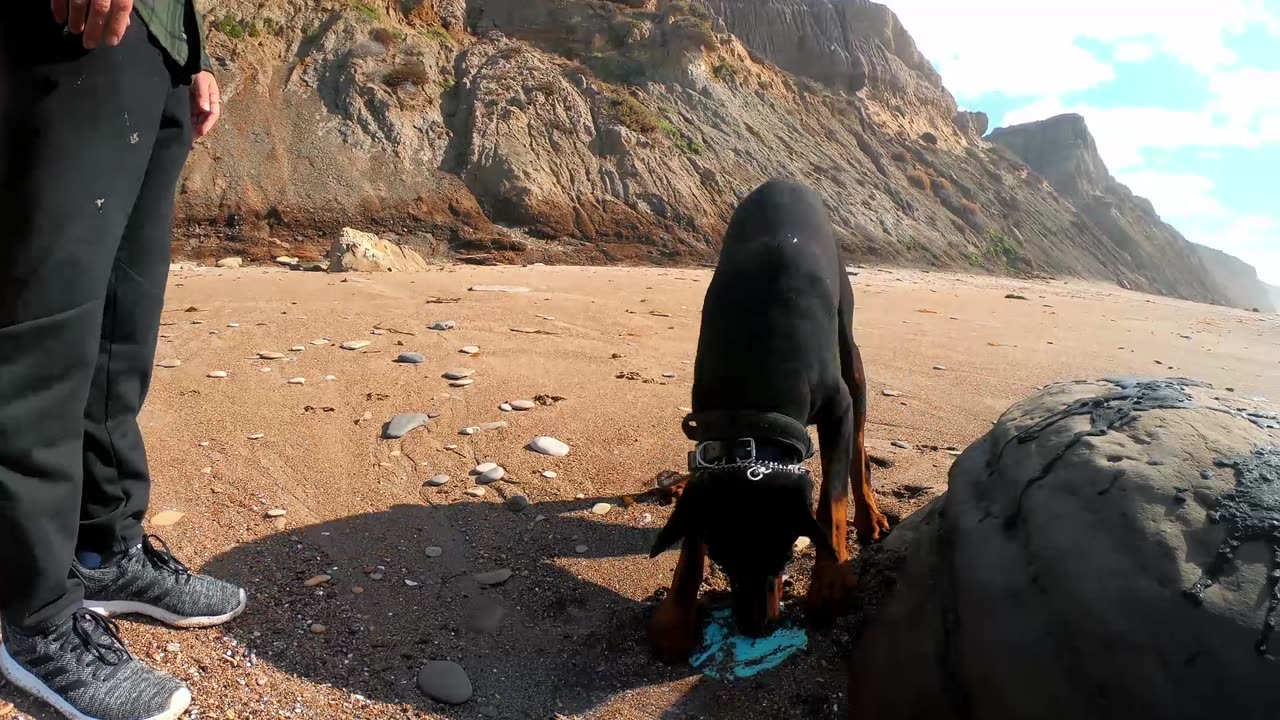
column 833, row 580
column 673, row 632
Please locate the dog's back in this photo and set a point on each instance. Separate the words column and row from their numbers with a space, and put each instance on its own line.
column 768, row 340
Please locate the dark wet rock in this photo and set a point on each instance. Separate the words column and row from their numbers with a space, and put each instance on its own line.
column 445, row 681
column 1054, row 568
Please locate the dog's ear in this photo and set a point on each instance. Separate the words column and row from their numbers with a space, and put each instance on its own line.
column 685, row 520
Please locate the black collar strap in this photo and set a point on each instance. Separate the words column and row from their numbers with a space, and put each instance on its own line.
column 767, row 430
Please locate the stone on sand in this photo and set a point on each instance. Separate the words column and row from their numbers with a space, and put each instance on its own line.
column 445, row 681
column 499, row 288
column 1075, row 563
column 355, row 344
column 269, row 355
column 459, row 373
column 477, row 492
column 231, row 263
column 317, row 580
column 434, row 551
column 169, row 364
column 402, row 424
column 549, row 446
column 492, row 475
column 357, row 251
column 496, row 425
column 518, row 503
column 411, row 358
column 494, row 577
column 443, row 325
column 522, row 404
column 461, row 383
column 217, row 374
column 470, row 350
column 601, row 508
column 438, row 481
column 165, row 518
column 277, row 512
column 298, row 381
column 549, row 474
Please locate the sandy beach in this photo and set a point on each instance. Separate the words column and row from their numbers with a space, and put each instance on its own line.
column 606, row 355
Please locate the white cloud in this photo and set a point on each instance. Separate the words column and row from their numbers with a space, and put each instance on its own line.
column 1175, row 195
column 1132, row 51
column 1026, row 48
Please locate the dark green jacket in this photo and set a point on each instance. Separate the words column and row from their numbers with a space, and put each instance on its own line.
column 168, row 20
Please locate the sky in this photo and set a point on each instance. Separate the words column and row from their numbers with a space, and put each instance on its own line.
column 1182, row 96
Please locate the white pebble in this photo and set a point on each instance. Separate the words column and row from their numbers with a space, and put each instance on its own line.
column 549, row 446
column 256, row 436
column 297, row 381
column 217, row 374
column 469, row 430
column 549, row 474
column 601, row 508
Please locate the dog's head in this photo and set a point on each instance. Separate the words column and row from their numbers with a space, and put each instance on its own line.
column 749, row 528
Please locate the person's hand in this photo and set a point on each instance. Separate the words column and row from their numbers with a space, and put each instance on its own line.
column 99, row 21
column 206, row 103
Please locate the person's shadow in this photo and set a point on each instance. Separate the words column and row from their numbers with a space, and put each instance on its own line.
column 545, row 643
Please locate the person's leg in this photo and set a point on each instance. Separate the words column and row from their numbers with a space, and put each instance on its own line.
column 76, row 133
column 116, row 482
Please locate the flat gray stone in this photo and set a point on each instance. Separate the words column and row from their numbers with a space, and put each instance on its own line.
column 459, row 373
column 483, row 468
column 523, row 405
column 518, row 503
column 499, row 288
column 438, row 481
column 494, row 577
column 445, row 681
column 434, row 551
column 549, row 446
column 411, row 358
column 444, row 325
column 402, row 424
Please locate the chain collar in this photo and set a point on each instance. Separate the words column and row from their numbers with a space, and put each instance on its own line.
column 756, row 469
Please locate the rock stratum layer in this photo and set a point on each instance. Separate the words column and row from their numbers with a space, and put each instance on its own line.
column 588, row 131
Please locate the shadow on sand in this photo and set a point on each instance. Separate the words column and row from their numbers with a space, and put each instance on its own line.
column 544, row 644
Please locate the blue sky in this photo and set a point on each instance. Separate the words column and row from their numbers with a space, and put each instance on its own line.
column 1182, row 96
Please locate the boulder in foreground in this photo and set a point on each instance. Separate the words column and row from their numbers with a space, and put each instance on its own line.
column 356, row 251
column 1109, row 550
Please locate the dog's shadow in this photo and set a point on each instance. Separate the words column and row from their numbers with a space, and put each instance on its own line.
column 545, row 643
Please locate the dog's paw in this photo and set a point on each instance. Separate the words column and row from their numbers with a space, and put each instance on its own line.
column 830, row 590
column 673, row 633
column 870, row 524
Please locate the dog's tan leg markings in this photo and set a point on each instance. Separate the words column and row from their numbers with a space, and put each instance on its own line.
column 870, row 523
column 832, row 581
column 673, row 632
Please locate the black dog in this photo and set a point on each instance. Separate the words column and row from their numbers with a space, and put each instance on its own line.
column 775, row 354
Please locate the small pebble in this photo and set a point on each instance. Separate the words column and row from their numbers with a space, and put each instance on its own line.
column 580, row 549
column 265, row 369
column 355, row 344
column 470, row 350
column 523, row 405
column 317, row 580
column 939, row 367
column 669, row 375
column 266, row 355
column 518, row 503
column 411, row 583
column 646, row 519
column 491, row 475
column 318, row 629
column 438, row 481
column 601, row 508
column 330, row 378
column 801, row 543
column 256, row 436
column 444, row 325
column 549, row 474
column 461, row 383
column 498, row 425
column 402, row 424
column 319, row 341
column 901, row 444
column 297, row 381
column 483, row 468
column 505, row 407
column 459, row 373
column 233, row 325
column 890, row 393
column 169, row 364
column 411, row 358
column 445, row 681
column 357, row 590
column 494, row 577
column 549, row 446
column 173, row 647
column 434, row 552
column 298, row 348
column 217, row 374
column 475, row 492
column 469, row 430
column 277, row 512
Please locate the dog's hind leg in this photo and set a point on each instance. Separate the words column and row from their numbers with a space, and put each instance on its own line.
column 673, row 632
column 832, row 578
column 869, row 522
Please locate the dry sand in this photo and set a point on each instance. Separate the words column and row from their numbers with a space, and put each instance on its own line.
column 570, row 639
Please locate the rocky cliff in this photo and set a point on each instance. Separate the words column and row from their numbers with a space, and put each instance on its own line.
column 597, row 131
column 1062, row 150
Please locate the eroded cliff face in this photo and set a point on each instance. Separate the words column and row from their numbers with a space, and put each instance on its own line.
column 1062, row 150
column 594, row 131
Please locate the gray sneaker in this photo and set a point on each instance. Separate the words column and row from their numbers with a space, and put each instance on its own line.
column 82, row 669
column 150, row 581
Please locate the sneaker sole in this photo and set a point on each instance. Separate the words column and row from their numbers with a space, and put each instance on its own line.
column 129, row 607
column 19, row 676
